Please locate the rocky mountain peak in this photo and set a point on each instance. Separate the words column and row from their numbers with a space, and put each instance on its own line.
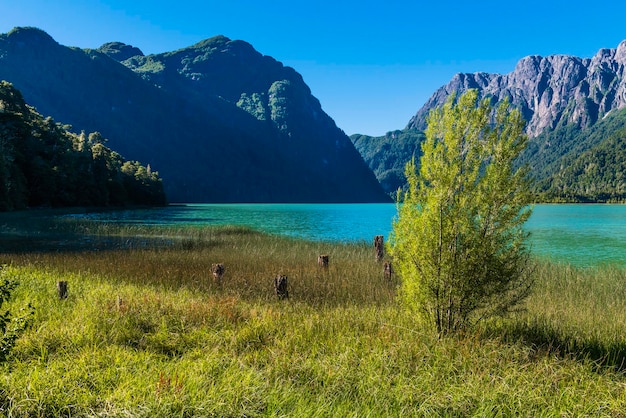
column 620, row 53
column 550, row 91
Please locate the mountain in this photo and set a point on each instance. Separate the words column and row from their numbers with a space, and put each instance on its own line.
column 576, row 114
column 576, row 164
column 387, row 155
column 220, row 121
column 43, row 164
column 596, row 175
column 551, row 91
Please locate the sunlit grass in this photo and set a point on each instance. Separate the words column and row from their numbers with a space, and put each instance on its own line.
column 147, row 332
column 577, row 313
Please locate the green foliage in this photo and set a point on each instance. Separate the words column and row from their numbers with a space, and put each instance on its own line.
column 579, row 165
column 255, row 105
column 388, row 155
column 120, row 51
column 458, row 240
column 142, row 183
column 597, row 174
column 43, row 164
column 279, row 94
column 11, row 326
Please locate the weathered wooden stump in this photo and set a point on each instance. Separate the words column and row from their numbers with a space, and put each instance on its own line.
column 379, row 247
column 119, row 303
column 62, row 289
column 280, row 285
column 322, row 260
column 218, row 272
column 387, row 270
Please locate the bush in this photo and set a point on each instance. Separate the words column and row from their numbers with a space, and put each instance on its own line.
column 458, row 240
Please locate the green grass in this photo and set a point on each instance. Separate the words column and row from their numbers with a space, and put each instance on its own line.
column 147, row 332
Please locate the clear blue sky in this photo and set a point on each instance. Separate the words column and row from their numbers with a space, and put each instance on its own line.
column 372, row 64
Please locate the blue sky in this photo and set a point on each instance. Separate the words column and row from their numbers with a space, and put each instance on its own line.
column 372, row 64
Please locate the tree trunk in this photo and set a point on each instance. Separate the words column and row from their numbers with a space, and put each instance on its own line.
column 62, row 289
column 280, row 286
column 218, row 272
column 379, row 247
column 387, row 270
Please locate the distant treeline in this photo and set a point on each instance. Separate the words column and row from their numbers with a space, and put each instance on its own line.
column 43, row 164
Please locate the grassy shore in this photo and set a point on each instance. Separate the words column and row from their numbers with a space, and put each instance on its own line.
column 146, row 331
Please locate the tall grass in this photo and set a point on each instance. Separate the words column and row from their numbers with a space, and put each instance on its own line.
column 146, row 331
column 252, row 260
column 578, row 313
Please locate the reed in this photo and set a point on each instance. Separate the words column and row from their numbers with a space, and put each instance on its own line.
column 146, row 331
column 575, row 312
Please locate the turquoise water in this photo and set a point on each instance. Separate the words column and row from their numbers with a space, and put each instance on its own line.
column 583, row 235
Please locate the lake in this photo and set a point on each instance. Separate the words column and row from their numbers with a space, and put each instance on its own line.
column 583, row 235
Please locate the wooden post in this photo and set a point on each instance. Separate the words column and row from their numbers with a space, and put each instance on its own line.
column 218, row 272
column 387, row 270
column 379, row 247
column 322, row 260
column 62, row 289
column 280, row 285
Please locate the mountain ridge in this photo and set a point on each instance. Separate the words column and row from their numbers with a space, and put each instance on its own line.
column 576, row 113
column 223, row 122
column 551, row 91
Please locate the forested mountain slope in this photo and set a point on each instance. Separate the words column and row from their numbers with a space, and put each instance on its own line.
column 43, row 164
column 387, row 155
column 581, row 165
column 222, row 122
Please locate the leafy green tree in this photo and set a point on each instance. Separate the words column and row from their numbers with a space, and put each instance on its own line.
column 458, row 242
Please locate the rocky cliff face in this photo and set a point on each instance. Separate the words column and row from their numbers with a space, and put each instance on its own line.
column 550, row 91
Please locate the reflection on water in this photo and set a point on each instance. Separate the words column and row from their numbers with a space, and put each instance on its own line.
column 578, row 234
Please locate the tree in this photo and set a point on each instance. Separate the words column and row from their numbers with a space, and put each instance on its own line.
column 458, row 240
